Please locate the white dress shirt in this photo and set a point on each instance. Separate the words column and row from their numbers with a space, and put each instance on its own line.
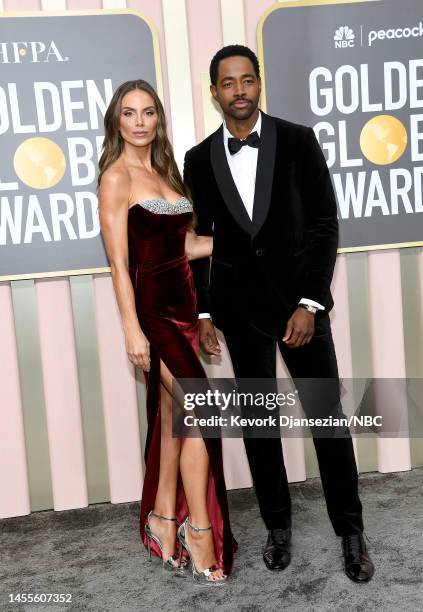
column 243, row 167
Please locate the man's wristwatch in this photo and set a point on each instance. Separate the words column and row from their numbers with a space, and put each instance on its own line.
column 309, row 308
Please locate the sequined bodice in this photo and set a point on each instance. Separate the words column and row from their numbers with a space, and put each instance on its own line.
column 164, row 207
column 156, row 232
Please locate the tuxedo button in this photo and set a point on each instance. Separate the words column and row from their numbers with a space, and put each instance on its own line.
column 260, row 252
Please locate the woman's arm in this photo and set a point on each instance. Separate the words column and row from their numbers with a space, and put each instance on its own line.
column 198, row 246
column 113, row 214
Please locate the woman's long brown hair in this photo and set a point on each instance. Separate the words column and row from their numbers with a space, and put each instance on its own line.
column 162, row 158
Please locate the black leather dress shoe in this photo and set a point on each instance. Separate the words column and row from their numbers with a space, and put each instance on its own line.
column 277, row 552
column 358, row 565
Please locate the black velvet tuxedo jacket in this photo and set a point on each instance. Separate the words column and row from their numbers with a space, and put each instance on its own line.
column 262, row 268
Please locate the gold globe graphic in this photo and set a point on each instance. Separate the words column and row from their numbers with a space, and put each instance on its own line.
column 39, row 163
column 383, row 139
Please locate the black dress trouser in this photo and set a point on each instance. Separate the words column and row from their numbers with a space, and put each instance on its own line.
column 253, row 355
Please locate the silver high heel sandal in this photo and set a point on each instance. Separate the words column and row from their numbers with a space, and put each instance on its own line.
column 203, row 577
column 167, row 564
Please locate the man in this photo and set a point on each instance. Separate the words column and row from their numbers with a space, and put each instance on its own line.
column 260, row 185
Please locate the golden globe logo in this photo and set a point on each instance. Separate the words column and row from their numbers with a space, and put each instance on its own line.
column 364, row 190
column 73, row 110
column 33, row 52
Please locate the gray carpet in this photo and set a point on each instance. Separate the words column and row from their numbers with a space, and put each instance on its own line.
column 95, row 554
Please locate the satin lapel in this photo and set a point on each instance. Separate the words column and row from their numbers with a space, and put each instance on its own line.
column 226, row 183
column 264, row 173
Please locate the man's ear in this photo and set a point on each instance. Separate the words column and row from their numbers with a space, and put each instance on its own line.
column 213, row 91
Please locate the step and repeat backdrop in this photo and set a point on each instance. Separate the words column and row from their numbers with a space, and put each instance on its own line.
column 355, row 73
column 360, row 86
column 57, row 76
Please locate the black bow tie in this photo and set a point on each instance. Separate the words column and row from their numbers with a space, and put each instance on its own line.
column 235, row 144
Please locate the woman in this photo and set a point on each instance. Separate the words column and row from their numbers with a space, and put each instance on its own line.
column 146, row 223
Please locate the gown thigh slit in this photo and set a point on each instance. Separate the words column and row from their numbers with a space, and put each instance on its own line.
column 167, row 311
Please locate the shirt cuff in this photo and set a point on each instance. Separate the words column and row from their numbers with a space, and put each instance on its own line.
column 312, row 303
column 204, row 315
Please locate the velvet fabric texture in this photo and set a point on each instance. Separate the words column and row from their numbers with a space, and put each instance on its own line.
column 260, row 269
column 288, row 250
column 166, row 307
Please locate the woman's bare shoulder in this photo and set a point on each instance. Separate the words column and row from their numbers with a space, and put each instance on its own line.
column 115, row 175
column 116, row 182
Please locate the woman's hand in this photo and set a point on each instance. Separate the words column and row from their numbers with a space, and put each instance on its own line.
column 198, row 246
column 138, row 350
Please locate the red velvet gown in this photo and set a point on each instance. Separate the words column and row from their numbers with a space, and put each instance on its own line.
column 167, row 311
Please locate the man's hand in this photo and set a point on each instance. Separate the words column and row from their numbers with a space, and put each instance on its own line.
column 299, row 329
column 208, row 339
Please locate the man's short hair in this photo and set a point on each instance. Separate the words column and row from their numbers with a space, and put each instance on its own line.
column 231, row 51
